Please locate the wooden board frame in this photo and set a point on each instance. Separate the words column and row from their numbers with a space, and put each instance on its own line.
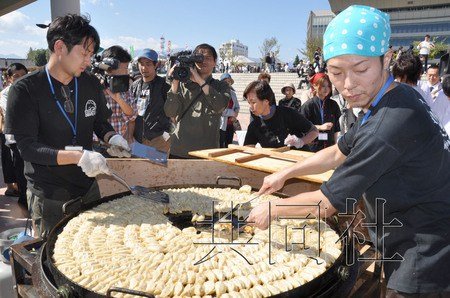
column 261, row 159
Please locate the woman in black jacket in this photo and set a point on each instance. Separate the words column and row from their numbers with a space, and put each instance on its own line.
column 274, row 126
column 323, row 112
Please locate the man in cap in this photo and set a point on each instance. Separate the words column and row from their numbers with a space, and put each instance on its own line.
column 150, row 92
column 395, row 157
column 289, row 100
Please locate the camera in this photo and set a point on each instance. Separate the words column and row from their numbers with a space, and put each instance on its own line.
column 115, row 83
column 185, row 60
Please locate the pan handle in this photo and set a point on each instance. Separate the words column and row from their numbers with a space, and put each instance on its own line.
column 127, row 291
column 68, row 203
column 235, row 178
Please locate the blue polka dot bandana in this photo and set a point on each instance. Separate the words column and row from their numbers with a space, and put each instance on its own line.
column 358, row 30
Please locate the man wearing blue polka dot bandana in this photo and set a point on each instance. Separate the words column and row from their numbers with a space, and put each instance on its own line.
column 395, row 157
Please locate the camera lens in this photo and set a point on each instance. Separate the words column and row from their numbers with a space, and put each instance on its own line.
column 183, row 72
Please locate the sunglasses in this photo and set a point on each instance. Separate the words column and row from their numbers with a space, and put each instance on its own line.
column 68, row 104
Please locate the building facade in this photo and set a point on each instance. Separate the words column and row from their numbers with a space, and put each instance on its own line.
column 317, row 23
column 410, row 20
column 234, row 48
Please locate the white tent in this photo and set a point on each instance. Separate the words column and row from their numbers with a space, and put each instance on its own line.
column 244, row 60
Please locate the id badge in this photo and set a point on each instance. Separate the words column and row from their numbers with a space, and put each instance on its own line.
column 73, row 148
column 323, row 136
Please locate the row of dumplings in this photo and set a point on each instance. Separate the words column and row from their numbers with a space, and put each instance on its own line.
column 130, row 243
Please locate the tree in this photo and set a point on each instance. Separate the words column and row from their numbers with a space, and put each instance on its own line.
column 296, row 60
column 227, row 55
column 311, row 46
column 38, row 56
column 269, row 45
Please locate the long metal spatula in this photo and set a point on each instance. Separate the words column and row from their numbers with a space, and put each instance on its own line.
column 144, row 192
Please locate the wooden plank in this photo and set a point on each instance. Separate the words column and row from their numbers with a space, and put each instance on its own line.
column 250, row 158
column 266, row 164
column 223, row 152
column 281, row 149
column 270, row 152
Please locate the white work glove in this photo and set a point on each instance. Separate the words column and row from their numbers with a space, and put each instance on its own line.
column 119, row 147
column 119, row 141
column 118, row 152
column 93, row 163
column 293, row 140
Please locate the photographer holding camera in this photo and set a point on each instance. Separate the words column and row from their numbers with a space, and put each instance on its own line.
column 150, row 93
column 196, row 100
column 119, row 98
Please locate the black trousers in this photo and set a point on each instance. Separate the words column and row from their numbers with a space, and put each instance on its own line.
column 226, row 137
column 7, row 162
column 20, row 177
column 46, row 213
column 425, row 62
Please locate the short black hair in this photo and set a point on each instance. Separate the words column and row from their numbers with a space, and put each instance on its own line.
column 15, row 67
column 72, row 29
column 428, row 35
column 433, row 66
column 446, row 85
column 409, row 65
column 205, row 46
column 262, row 90
column 117, row 52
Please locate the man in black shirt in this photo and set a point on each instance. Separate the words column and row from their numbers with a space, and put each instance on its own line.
column 52, row 114
column 397, row 152
column 150, row 92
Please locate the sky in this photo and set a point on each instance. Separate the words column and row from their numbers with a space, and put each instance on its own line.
column 141, row 23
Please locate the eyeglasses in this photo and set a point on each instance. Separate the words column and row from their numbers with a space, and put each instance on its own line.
column 68, row 104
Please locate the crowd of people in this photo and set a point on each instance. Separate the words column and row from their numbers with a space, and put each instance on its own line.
column 383, row 132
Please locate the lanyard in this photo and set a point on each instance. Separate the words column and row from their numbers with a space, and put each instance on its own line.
column 377, row 98
column 322, row 107
column 73, row 126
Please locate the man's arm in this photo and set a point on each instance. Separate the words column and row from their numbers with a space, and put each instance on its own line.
column 123, row 101
column 306, row 205
column 102, row 128
column 324, row 160
column 216, row 96
column 68, row 157
column 173, row 106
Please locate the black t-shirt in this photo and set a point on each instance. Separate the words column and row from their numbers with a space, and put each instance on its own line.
column 40, row 130
column 402, row 155
column 331, row 113
column 154, row 121
column 293, row 103
column 272, row 132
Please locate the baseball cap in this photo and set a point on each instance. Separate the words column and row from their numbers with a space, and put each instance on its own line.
column 149, row 54
column 226, row 76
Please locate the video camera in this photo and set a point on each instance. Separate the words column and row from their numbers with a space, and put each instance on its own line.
column 184, row 60
column 115, row 83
